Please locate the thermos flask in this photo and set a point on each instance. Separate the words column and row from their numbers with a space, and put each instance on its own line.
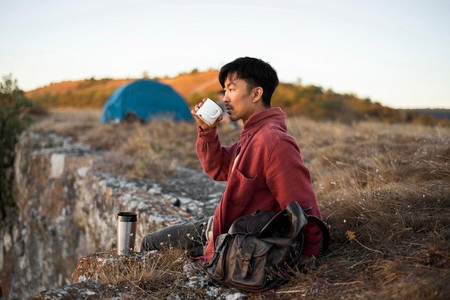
column 126, row 232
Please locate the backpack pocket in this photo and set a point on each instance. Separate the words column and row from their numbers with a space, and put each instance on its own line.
column 217, row 266
column 247, row 260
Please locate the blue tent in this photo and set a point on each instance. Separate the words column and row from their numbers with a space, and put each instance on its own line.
column 146, row 99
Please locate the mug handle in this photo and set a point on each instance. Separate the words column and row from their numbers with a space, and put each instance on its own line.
column 217, row 114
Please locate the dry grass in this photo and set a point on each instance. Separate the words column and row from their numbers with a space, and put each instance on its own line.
column 136, row 150
column 153, row 275
column 384, row 189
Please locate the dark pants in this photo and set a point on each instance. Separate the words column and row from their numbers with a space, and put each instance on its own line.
column 187, row 236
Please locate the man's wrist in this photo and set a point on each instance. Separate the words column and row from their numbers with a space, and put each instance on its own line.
column 206, row 135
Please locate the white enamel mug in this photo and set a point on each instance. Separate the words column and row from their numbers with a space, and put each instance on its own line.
column 209, row 112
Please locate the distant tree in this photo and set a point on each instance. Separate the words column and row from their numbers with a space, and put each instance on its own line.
column 13, row 120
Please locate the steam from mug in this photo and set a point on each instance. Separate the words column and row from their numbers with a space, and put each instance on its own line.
column 126, row 232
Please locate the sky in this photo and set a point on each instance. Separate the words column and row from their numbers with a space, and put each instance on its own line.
column 395, row 52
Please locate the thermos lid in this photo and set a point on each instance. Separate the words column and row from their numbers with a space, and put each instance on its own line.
column 126, row 217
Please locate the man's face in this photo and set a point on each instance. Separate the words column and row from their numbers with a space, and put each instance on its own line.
column 237, row 99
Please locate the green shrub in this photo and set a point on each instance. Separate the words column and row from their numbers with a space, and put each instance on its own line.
column 13, row 120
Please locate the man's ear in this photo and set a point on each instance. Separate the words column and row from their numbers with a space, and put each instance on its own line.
column 257, row 94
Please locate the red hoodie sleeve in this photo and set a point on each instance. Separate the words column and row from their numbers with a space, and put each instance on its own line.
column 214, row 158
column 289, row 180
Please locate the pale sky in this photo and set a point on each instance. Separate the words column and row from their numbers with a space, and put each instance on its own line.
column 396, row 52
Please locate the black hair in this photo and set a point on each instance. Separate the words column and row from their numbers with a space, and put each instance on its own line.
column 255, row 72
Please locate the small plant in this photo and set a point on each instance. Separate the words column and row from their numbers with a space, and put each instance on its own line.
column 13, row 120
column 352, row 237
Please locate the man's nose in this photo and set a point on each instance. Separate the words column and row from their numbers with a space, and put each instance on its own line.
column 225, row 97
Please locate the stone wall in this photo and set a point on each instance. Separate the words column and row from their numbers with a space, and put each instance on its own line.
column 67, row 208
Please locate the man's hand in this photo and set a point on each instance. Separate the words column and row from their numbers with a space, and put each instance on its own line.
column 203, row 125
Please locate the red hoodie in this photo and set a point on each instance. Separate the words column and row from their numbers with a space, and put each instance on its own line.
column 268, row 174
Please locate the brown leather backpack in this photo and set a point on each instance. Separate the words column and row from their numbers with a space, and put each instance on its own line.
column 259, row 247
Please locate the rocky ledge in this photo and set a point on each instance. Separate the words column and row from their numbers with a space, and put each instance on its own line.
column 67, row 208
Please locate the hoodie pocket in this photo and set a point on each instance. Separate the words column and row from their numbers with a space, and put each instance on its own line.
column 241, row 188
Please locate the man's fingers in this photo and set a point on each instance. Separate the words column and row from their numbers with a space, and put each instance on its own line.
column 217, row 121
column 198, row 105
column 199, row 121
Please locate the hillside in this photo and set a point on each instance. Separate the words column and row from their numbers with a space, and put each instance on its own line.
column 442, row 114
column 382, row 188
column 311, row 101
column 96, row 92
column 195, row 83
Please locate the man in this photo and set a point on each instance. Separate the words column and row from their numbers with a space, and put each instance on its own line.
column 263, row 170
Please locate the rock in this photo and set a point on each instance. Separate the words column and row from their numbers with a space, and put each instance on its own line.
column 108, row 275
column 67, row 209
column 83, row 290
